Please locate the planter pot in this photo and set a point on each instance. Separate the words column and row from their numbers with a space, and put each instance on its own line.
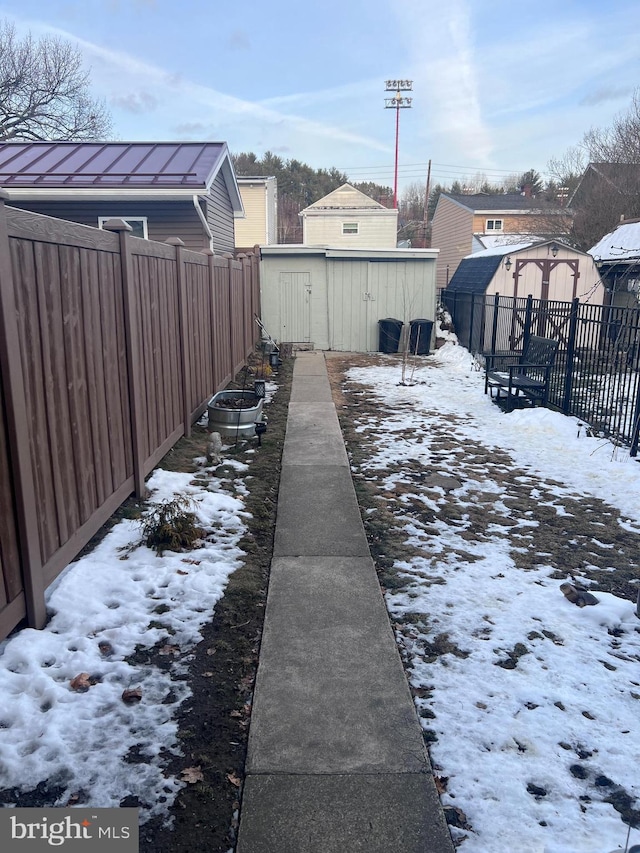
column 234, row 413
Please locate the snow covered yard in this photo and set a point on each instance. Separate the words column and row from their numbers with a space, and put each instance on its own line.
column 529, row 703
column 74, row 703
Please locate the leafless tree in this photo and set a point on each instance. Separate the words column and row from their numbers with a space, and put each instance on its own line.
column 44, row 91
column 619, row 143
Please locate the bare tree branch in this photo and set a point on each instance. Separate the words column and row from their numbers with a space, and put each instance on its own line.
column 44, row 91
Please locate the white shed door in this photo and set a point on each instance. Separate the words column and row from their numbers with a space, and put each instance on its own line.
column 294, row 300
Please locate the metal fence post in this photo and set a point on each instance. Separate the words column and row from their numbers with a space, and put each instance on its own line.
column 472, row 312
column 571, row 347
column 15, row 411
column 527, row 322
column 494, row 325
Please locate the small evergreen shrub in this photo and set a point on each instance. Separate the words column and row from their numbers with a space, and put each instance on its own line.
column 171, row 526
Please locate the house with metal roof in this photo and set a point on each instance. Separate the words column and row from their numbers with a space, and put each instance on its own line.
column 162, row 189
column 461, row 223
column 347, row 217
column 548, row 270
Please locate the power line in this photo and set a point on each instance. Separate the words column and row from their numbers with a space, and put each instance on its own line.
column 436, row 166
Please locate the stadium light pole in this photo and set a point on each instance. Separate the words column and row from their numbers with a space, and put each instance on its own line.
column 397, row 102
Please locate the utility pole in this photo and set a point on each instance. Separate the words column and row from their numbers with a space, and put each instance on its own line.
column 397, row 102
column 426, row 201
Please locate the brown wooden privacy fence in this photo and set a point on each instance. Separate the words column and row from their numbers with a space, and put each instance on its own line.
column 110, row 348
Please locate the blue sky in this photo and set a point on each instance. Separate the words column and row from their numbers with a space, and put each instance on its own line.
column 499, row 87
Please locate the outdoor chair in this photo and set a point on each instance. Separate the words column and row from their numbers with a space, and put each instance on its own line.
column 528, row 377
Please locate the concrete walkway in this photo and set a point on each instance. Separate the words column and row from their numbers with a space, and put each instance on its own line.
column 336, row 759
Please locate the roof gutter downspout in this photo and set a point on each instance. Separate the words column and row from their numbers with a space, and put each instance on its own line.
column 203, row 219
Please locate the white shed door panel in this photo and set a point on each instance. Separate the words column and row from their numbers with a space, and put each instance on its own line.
column 294, row 302
column 348, row 305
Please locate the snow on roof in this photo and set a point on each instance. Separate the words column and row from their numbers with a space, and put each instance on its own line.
column 619, row 245
column 503, row 250
column 488, row 241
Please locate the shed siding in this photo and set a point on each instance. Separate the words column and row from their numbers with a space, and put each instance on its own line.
column 377, row 229
column 561, row 279
column 452, row 234
column 347, row 298
column 220, row 216
column 164, row 219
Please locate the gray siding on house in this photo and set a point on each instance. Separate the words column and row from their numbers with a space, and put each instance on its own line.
column 164, row 219
column 220, row 216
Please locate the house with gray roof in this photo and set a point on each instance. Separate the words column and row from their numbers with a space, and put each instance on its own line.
column 617, row 256
column 162, row 189
column 461, row 223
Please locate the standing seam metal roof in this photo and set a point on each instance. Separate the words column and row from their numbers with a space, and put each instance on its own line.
column 110, row 164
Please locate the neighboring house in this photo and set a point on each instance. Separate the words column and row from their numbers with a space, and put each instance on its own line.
column 607, row 194
column 461, row 222
column 348, row 217
column 617, row 257
column 621, row 179
column 334, row 298
column 163, row 189
column 259, row 227
column 548, row 270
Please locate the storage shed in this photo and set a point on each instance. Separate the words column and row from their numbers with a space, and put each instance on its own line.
column 333, row 299
column 544, row 270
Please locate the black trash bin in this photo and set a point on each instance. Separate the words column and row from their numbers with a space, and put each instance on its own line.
column 420, row 336
column 389, row 335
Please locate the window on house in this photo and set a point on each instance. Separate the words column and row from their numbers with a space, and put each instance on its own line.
column 349, row 227
column 494, row 225
column 137, row 223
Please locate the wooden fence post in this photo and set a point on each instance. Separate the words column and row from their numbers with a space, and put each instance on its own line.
column 132, row 343
column 211, row 291
column 229, row 258
column 184, row 333
column 15, row 408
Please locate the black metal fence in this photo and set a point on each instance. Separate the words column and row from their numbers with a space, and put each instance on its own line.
column 596, row 376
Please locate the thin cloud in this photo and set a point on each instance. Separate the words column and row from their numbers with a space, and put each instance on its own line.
column 606, row 94
column 136, row 102
column 111, row 67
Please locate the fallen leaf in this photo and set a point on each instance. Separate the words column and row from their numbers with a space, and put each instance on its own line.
column 441, row 783
column 211, row 651
column 170, row 650
column 106, row 648
column 235, row 780
column 132, row 696
column 208, row 674
column 81, row 682
column 235, row 714
column 181, row 572
column 191, row 775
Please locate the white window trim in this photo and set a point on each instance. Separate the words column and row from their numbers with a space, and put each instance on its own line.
column 493, row 225
column 142, row 219
column 350, row 232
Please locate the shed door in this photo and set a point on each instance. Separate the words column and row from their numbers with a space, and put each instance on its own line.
column 294, row 301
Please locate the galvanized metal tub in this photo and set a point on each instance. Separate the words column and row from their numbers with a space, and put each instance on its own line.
column 231, row 421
